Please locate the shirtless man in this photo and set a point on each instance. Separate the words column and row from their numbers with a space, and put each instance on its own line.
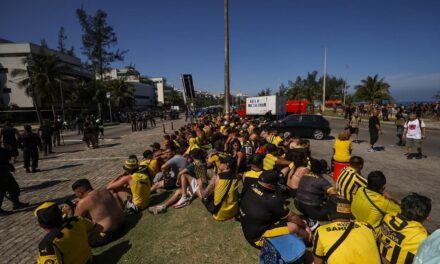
column 102, row 208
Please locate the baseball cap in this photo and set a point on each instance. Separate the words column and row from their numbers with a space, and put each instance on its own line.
column 286, row 134
column 49, row 214
column 155, row 145
column 338, row 207
column 270, row 177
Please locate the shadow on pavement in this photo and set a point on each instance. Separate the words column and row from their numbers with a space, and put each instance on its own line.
column 72, row 151
column 130, row 222
column 109, row 145
column 63, row 167
column 42, row 185
column 113, row 254
column 379, row 148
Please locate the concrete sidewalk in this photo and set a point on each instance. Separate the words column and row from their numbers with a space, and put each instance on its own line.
column 20, row 233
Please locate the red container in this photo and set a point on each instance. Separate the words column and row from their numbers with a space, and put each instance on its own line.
column 337, row 168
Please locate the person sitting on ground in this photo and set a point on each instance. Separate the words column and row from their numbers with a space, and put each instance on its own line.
column 330, row 244
column 299, row 170
column 239, row 155
column 101, row 207
column 263, row 213
column 220, row 195
column 157, row 150
column 193, row 144
column 272, row 161
column 66, row 240
column 149, row 164
column 312, row 192
column 251, row 176
column 400, row 235
column 273, row 137
column 371, row 203
column 295, row 143
column 167, row 177
column 342, row 148
column 188, row 177
column 350, row 179
column 133, row 189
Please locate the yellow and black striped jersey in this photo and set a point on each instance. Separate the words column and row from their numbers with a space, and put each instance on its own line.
column 276, row 140
column 269, row 161
column 349, row 181
column 68, row 244
column 399, row 239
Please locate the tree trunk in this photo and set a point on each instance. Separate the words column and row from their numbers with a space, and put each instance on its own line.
column 37, row 108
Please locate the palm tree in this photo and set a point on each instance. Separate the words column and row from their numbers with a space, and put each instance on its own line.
column 40, row 78
column 372, row 89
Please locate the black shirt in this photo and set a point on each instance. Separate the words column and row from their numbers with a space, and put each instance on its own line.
column 8, row 133
column 312, row 190
column 372, row 122
column 260, row 208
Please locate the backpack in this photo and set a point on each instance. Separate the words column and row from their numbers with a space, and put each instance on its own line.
column 282, row 249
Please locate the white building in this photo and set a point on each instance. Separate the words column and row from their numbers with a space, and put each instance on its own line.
column 163, row 91
column 144, row 91
column 12, row 57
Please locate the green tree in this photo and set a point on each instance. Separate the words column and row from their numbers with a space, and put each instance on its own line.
column 334, row 88
column 40, row 79
column 282, row 90
column 62, row 43
column 98, row 40
column 373, row 89
column 265, row 92
column 437, row 96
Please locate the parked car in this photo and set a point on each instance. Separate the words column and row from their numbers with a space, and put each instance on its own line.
column 313, row 126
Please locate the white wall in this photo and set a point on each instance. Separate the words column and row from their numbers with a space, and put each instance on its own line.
column 17, row 95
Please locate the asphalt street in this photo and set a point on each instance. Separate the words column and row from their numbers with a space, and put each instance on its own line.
column 431, row 146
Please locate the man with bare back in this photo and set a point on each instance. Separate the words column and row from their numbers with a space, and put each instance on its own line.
column 102, row 208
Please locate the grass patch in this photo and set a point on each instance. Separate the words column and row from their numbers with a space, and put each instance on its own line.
column 187, row 235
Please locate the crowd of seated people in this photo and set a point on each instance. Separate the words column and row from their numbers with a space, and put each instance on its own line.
column 241, row 170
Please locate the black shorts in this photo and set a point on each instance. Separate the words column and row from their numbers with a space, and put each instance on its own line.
column 169, row 183
column 374, row 136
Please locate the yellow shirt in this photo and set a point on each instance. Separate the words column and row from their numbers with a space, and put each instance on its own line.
column 269, row 162
column 229, row 207
column 276, row 140
column 215, row 159
column 358, row 248
column 69, row 245
column 342, row 150
column 192, row 145
column 151, row 164
column 365, row 211
column 400, row 239
column 140, row 189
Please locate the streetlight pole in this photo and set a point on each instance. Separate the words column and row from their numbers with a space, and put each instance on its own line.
column 109, row 106
column 325, row 76
column 227, row 80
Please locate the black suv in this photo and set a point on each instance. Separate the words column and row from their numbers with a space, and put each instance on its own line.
column 314, row 126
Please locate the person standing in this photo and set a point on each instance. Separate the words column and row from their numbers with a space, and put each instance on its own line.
column 57, row 126
column 8, row 183
column 9, row 137
column 100, row 124
column 80, row 124
column 400, row 122
column 415, row 133
column 30, row 143
column 46, row 135
column 375, row 129
column 353, row 126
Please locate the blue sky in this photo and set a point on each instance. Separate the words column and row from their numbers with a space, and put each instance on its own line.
column 270, row 41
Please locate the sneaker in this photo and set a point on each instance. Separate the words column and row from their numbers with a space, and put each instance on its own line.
column 158, row 209
column 184, row 201
column 313, row 224
column 371, row 150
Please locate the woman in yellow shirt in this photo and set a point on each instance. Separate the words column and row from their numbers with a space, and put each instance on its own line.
column 342, row 148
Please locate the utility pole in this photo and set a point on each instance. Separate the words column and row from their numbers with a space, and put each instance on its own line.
column 227, row 80
column 325, row 76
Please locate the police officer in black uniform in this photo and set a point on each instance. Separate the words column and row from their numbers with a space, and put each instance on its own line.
column 8, row 184
column 46, row 133
column 30, row 143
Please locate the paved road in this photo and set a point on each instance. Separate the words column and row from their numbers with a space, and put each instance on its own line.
column 431, row 147
column 403, row 176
